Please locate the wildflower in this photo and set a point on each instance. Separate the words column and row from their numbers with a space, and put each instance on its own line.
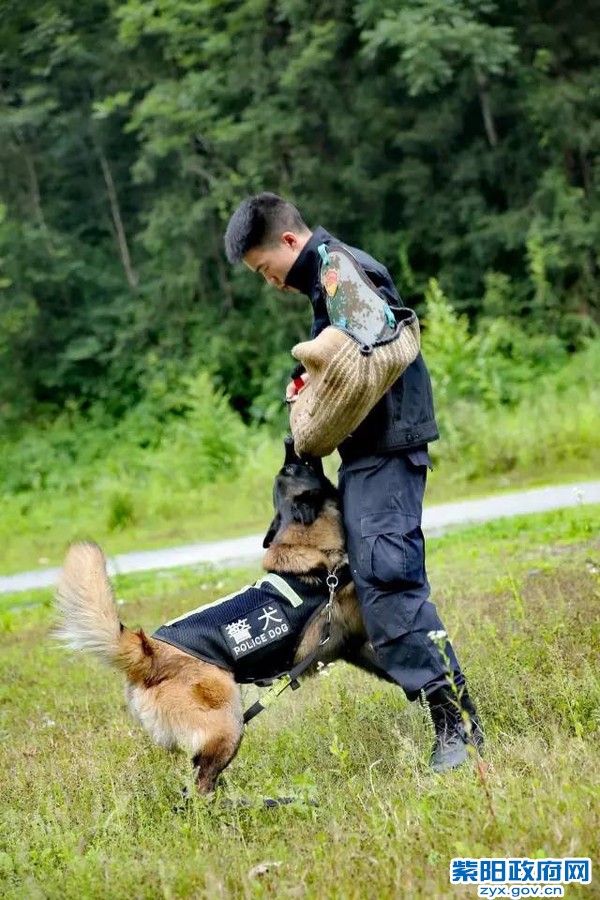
column 437, row 636
column 323, row 668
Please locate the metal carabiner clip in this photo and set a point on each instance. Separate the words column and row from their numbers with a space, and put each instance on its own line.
column 332, row 581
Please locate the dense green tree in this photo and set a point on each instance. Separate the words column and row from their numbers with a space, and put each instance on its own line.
column 451, row 138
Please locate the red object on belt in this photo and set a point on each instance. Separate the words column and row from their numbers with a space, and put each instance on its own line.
column 298, row 383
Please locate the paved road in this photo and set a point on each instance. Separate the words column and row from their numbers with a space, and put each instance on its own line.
column 239, row 551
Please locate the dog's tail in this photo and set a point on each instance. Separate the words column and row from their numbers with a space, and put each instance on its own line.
column 90, row 621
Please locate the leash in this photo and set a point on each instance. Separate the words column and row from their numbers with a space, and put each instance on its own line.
column 290, row 679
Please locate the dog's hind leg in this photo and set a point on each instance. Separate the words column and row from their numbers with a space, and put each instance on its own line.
column 195, row 707
column 217, row 752
column 218, row 712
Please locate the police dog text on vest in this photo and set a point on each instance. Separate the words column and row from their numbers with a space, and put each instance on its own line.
column 271, row 635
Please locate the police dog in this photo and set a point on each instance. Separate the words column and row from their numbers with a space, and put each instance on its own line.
column 189, row 703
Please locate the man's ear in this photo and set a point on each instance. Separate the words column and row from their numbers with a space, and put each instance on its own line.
column 272, row 531
column 289, row 238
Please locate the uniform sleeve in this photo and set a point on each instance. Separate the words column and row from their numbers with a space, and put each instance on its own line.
column 321, row 319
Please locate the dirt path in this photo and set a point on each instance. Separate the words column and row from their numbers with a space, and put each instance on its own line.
column 238, row 551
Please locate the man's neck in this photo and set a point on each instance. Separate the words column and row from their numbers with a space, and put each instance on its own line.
column 305, row 271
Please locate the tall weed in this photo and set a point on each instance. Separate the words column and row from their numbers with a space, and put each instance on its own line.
column 505, row 399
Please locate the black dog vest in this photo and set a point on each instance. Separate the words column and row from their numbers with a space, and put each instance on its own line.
column 253, row 633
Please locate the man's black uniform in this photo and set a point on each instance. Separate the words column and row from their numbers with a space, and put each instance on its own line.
column 382, row 482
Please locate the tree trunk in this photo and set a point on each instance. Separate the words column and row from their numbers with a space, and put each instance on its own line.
column 34, row 186
column 486, row 109
column 121, row 237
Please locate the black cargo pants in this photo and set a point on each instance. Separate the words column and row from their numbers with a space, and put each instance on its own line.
column 382, row 499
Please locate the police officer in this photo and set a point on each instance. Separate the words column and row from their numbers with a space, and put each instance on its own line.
column 381, row 481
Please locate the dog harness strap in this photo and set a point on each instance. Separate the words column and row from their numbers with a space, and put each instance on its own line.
column 268, row 697
column 282, row 586
column 342, row 572
column 290, row 679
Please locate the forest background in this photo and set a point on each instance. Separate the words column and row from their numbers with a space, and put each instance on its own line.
column 141, row 377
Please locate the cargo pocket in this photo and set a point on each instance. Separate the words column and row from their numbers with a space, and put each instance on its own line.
column 392, row 550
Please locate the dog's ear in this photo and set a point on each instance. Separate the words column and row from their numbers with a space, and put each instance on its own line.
column 306, row 507
column 290, row 453
column 316, row 464
column 272, row 531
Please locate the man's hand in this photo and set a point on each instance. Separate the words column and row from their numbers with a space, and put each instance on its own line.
column 295, row 386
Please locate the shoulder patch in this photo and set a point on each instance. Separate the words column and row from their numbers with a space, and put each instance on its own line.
column 353, row 302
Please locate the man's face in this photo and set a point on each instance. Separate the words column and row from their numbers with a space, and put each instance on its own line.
column 274, row 261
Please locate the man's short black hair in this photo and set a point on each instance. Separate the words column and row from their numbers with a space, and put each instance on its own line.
column 257, row 222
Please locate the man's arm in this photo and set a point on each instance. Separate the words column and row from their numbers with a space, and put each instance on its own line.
column 321, row 318
column 382, row 280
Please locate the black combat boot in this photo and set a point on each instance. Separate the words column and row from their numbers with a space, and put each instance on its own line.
column 453, row 732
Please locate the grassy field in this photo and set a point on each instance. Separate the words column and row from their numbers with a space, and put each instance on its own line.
column 91, row 809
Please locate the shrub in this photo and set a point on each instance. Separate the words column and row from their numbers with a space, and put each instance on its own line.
column 121, row 511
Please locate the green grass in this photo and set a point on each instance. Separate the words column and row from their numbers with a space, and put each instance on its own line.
column 88, row 802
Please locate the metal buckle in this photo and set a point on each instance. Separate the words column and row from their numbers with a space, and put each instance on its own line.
column 332, row 582
column 325, row 639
